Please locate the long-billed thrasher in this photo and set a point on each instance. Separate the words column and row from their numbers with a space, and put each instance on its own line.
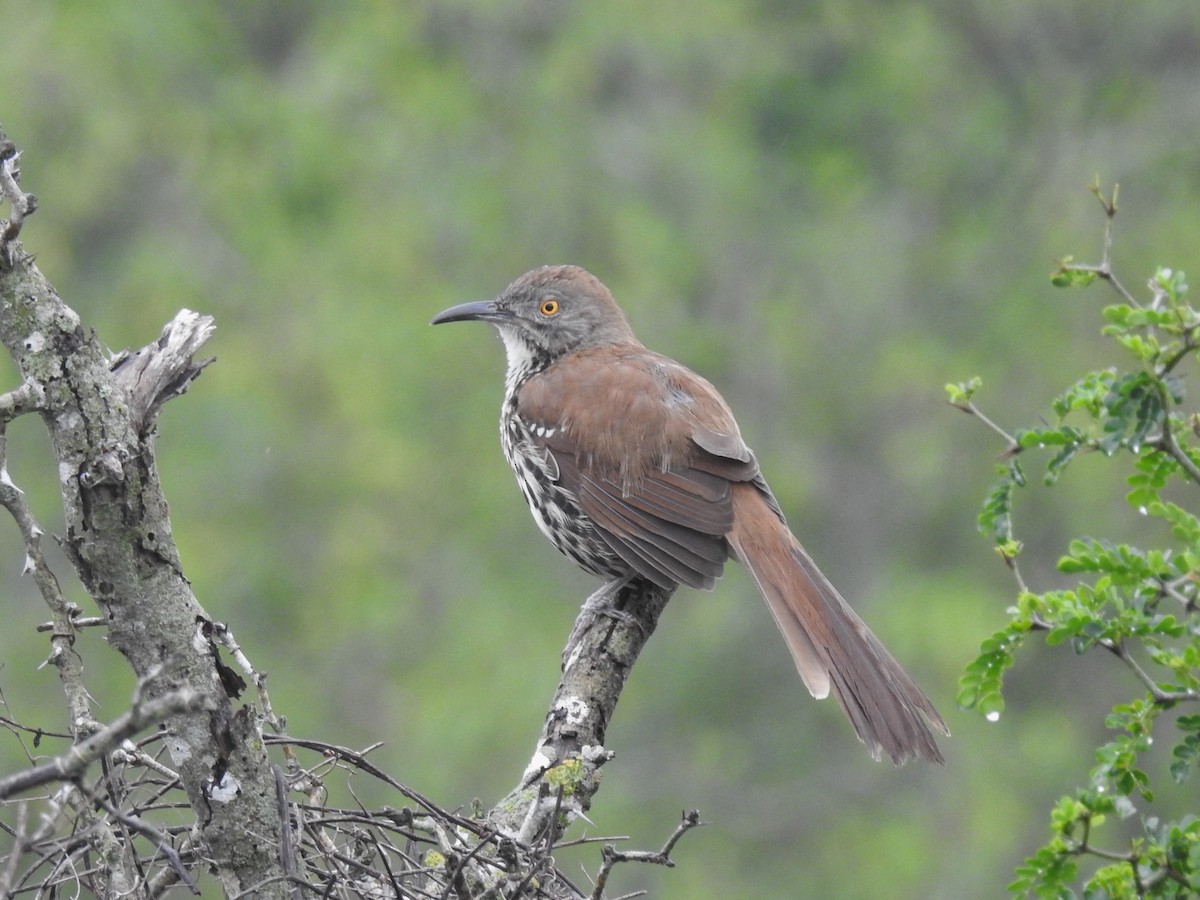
column 633, row 465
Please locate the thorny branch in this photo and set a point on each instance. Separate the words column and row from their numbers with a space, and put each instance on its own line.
column 22, row 204
column 1097, row 614
column 25, row 399
column 118, row 537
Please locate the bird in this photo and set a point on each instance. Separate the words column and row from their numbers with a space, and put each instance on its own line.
column 634, row 467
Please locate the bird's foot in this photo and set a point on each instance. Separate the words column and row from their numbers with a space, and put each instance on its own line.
column 598, row 604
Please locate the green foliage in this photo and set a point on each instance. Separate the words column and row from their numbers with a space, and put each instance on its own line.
column 1138, row 604
column 981, row 686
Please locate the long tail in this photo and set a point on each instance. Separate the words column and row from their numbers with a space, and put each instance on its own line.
column 832, row 646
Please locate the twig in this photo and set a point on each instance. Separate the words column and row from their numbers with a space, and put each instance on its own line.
column 1104, row 270
column 611, row 855
column 15, row 852
column 161, row 841
column 130, row 754
column 1188, row 346
column 222, row 634
column 38, row 733
column 1172, row 590
column 971, row 409
column 360, row 761
column 77, row 622
column 287, row 852
column 1169, row 445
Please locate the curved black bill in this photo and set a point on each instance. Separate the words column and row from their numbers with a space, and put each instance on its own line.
column 484, row 310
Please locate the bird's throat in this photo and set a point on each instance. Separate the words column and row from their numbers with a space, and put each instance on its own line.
column 524, row 360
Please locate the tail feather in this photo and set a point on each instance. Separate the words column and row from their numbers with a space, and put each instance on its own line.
column 832, row 647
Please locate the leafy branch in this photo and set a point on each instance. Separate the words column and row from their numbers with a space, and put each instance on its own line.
column 1139, row 605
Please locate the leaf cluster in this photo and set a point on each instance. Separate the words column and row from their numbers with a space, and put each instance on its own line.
column 1139, row 604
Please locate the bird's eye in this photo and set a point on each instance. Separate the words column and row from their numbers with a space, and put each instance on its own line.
column 550, row 306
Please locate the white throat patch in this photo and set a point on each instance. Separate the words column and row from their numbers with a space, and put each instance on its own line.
column 520, row 359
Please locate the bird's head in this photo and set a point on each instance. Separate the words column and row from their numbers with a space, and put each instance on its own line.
column 549, row 312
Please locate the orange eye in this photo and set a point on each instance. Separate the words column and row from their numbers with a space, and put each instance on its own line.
column 549, row 307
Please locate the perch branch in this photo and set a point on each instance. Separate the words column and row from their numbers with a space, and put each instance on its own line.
column 570, row 749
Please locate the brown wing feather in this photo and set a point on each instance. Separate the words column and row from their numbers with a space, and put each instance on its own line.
column 649, row 481
column 664, row 531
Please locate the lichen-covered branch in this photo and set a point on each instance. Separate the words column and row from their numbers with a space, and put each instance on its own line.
column 560, row 780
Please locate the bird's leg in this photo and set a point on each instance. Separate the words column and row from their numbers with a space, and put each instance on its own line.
column 599, row 603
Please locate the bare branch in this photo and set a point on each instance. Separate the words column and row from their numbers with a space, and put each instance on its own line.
column 19, row 401
column 72, row 764
column 22, row 204
column 20, row 838
column 164, row 369
column 611, row 855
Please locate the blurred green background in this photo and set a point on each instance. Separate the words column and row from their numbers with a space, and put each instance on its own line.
column 829, row 209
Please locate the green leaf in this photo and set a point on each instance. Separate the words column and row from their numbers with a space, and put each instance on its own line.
column 1187, row 751
column 960, row 394
column 1127, row 318
column 1154, row 470
column 1144, row 347
column 995, row 518
column 981, row 686
column 1184, row 525
column 1086, row 394
column 1067, row 275
column 1173, row 283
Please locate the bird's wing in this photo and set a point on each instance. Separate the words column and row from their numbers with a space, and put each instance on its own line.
column 669, row 526
column 651, row 451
